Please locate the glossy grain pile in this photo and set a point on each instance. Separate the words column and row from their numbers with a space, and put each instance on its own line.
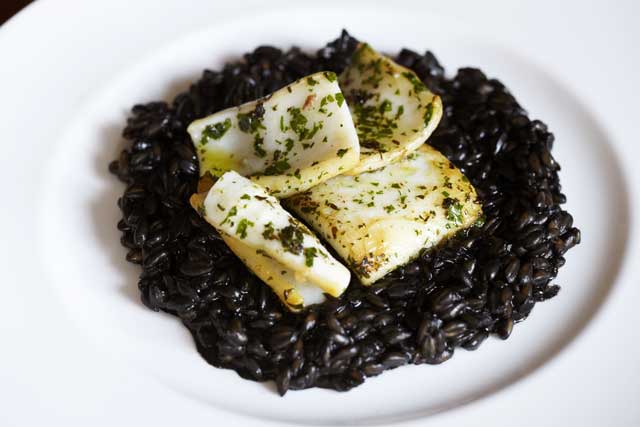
column 481, row 283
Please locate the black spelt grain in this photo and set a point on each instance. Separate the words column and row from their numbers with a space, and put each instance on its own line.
column 479, row 283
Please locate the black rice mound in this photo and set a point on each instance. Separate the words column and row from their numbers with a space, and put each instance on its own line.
column 478, row 284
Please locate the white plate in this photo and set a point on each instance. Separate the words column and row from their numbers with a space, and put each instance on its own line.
column 80, row 346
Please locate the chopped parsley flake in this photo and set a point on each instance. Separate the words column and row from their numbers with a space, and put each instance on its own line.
column 241, row 229
column 385, row 106
column 330, row 75
column 298, row 122
column 269, row 232
column 454, row 210
column 418, row 86
column 341, row 152
column 316, row 127
column 277, row 168
column 215, row 131
column 289, row 144
column 251, row 122
column 232, row 212
column 373, row 124
column 291, row 238
column 309, row 255
column 428, row 114
column 257, row 147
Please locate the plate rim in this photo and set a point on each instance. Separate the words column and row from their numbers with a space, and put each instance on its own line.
column 625, row 266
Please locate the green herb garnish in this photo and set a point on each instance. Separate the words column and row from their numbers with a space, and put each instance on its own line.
column 454, row 210
column 277, row 168
column 215, row 131
column 269, row 232
column 385, row 106
column 251, row 122
column 232, row 212
column 291, row 238
column 241, row 229
column 298, row 122
column 418, row 86
column 289, row 144
column 257, row 147
column 330, row 75
column 309, row 255
column 428, row 114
